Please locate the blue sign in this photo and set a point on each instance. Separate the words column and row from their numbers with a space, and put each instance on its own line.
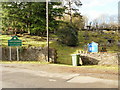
column 93, row 47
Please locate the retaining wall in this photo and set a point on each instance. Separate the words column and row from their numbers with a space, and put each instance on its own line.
column 100, row 58
column 29, row 54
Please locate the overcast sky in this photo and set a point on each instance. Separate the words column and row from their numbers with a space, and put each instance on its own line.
column 96, row 8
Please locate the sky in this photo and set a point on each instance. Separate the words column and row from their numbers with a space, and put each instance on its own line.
column 95, row 8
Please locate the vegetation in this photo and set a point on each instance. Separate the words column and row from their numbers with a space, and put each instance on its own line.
column 71, row 10
column 23, row 62
column 30, row 17
column 64, row 52
column 28, row 21
column 67, row 34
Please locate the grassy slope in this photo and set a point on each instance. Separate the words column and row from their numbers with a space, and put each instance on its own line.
column 26, row 41
column 64, row 51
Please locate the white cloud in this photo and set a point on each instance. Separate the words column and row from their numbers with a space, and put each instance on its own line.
column 95, row 8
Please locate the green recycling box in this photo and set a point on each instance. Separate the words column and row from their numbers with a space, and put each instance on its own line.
column 75, row 59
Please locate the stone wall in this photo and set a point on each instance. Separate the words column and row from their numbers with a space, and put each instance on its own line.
column 30, row 54
column 100, row 58
column 40, row 54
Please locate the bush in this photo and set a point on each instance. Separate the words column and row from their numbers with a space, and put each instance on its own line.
column 67, row 34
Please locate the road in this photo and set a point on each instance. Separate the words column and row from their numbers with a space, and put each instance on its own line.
column 14, row 77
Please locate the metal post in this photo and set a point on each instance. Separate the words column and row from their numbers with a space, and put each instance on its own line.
column 47, row 28
column 10, row 53
column 70, row 7
column 17, row 54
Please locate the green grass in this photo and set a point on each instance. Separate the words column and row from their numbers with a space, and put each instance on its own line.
column 100, row 38
column 23, row 62
column 91, row 66
column 26, row 41
column 102, row 67
column 64, row 52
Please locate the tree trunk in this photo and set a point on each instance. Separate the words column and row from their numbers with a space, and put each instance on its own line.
column 70, row 11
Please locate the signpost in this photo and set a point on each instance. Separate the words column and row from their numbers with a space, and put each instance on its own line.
column 14, row 42
column 47, row 28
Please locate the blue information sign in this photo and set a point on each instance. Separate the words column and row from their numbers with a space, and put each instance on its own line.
column 93, row 47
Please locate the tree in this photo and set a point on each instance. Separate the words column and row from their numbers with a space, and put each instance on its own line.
column 113, row 22
column 85, row 20
column 105, row 22
column 55, row 12
column 70, row 10
column 10, row 15
column 31, row 16
column 67, row 34
column 78, row 22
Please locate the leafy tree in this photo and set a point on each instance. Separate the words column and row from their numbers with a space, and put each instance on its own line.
column 31, row 16
column 55, row 12
column 10, row 17
column 68, row 34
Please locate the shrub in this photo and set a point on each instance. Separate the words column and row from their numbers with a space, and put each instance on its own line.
column 67, row 34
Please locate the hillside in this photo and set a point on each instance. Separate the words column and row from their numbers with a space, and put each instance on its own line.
column 64, row 51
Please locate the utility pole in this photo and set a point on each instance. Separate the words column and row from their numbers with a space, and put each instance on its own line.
column 70, row 7
column 47, row 29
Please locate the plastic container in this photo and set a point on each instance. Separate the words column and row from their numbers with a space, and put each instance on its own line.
column 75, row 59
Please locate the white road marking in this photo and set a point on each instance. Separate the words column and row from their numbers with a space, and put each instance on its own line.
column 52, row 80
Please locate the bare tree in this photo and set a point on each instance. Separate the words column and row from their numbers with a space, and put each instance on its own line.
column 72, row 6
column 106, row 22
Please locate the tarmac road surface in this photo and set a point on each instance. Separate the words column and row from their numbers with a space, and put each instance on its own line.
column 25, row 78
